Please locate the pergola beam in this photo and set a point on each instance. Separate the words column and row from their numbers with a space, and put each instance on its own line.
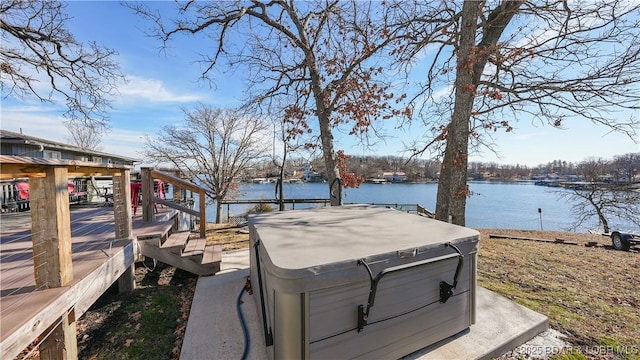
column 22, row 167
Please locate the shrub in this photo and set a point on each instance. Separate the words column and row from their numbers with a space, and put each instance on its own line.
column 260, row 208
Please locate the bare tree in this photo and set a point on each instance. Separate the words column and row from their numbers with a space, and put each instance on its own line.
column 550, row 61
column 38, row 49
column 603, row 200
column 325, row 59
column 627, row 166
column 84, row 136
column 214, row 146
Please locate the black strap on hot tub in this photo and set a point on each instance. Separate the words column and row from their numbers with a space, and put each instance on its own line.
column 268, row 336
column 446, row 290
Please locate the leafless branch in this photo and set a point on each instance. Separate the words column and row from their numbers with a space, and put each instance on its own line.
column 556, row 60
column 38, row 48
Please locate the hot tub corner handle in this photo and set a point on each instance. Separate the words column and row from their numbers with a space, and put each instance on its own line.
column 362, row 314
column 446, row 290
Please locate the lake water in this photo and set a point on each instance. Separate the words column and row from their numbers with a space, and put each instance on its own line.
column 507, row 205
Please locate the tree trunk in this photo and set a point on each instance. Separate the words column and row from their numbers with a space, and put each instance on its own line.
column 605, row 223
column 218, row 211
column 326, row 136
column 601, row 217
column 280, row 193
column 330, row 162
column 452, row 185
column 452, row 195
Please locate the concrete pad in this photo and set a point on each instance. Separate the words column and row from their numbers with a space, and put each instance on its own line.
column 501, row 325
column 234, row 260
column 214, row 330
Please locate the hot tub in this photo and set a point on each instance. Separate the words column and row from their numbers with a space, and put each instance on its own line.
column 360, row 281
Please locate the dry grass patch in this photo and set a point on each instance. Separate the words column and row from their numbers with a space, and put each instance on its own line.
column 230, row 236
column 591, row 294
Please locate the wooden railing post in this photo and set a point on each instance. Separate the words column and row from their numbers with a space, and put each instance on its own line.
column 177, row 193
column 147, row 195
column 124, row 222
column 203, row 214
column 51, row 236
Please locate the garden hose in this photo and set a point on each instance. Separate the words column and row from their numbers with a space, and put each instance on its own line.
column 245, row 330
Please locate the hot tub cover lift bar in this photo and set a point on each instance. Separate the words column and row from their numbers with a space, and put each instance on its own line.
column 446, row 290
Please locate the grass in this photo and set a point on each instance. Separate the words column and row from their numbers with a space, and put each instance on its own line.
column 230, row 236
column 572, row 354
column 590, row 294
column 148, row 323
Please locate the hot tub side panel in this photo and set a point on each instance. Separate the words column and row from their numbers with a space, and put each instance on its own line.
column 407, row 314
column 399, row 336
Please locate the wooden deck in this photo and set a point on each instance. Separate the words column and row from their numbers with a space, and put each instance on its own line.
column 98, row 261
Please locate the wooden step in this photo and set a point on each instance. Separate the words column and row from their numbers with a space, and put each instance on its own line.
column 212, row 254
column 176, row 241
column 195, row 247
column 157, row 229
column 189, row 263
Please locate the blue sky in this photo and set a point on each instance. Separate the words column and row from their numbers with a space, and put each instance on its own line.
column 161, row 83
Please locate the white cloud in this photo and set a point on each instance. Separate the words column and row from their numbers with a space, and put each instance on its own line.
column 124, row 143
column 152, row 90
column 425, row 55
column 443, row 92
column 35, row 121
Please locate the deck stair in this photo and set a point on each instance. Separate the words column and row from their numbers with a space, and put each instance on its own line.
column 182, row 249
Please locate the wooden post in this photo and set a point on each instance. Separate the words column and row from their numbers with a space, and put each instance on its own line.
column 124, row 222
column 203, row 214
column 51, row 237
column 61, row 342
column 177, row 193
column 147, row 195
column 122, row 205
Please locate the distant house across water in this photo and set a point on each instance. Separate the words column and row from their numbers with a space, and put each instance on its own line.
column 395, row 176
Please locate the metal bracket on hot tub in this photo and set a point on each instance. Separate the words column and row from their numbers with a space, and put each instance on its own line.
column 446, row 290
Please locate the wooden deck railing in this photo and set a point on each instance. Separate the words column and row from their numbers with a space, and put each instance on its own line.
column 148, row 198
column 51, row 238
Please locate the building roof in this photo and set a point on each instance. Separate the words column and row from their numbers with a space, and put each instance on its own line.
column 20, row 138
